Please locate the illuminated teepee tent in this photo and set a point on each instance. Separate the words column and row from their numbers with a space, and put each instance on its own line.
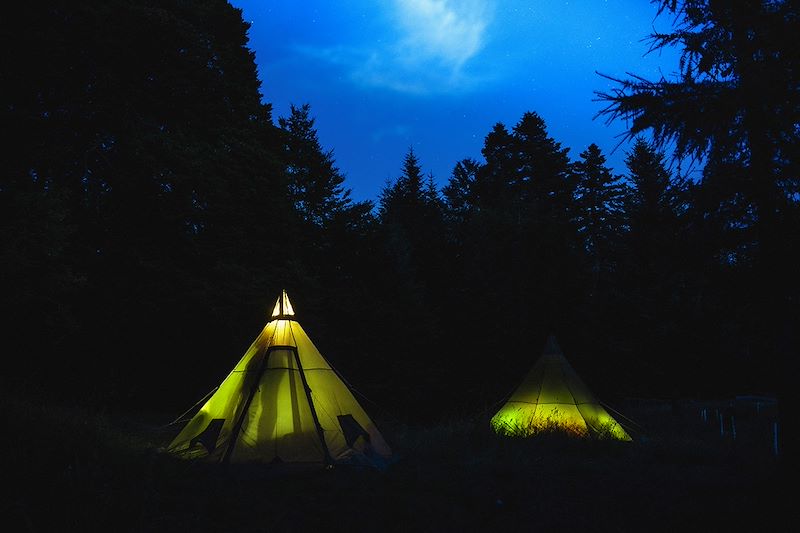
column 282, row 403
column 553, row 397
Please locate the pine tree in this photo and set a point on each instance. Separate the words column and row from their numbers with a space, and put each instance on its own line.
column 492, row 183
column 599, row 199
column 520, row 244
column 403, row 200
column 649, row 180
column 140, row 129
column 543, row 177
column 735, row 103
column 460, row 195
column 653, row 277
column 545, row 189
column 414, row 276
column 315, row 183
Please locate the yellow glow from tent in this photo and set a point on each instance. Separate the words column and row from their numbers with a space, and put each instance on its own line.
column 552, row 398
column 278, row 421
column 523, row 423
column 283, row 307
column 287, row 305
column 565, row 418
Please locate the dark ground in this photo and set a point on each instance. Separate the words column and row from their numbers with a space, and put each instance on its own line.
column 70, row 469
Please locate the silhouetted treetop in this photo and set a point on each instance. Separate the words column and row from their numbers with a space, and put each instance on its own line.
column 315, row 183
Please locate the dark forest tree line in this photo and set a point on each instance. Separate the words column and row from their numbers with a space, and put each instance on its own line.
column 736, row 103
column 151, row 208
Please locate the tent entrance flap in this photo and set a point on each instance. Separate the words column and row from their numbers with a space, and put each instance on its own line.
column 352, row 429
column 208, row 438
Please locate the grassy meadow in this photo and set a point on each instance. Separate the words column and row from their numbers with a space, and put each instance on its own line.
column 70, row 469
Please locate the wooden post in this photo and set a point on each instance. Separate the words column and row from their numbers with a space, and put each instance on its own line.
column 775, row 438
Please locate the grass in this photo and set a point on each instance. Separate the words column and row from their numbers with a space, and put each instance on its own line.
column 70, row 469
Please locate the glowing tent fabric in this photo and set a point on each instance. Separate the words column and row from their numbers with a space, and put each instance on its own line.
column 282, row 403
column 553, row 397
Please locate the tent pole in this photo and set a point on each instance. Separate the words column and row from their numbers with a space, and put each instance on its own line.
column 320, row 432
column 238, row 427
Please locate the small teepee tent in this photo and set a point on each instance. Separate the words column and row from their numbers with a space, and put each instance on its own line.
column 553, row 397
column 282, row 403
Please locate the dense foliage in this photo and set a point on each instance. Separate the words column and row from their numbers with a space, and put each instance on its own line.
column 735, row 103
column 151, row 209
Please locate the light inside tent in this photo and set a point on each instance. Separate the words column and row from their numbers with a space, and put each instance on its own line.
column 521, row 420
column 553, row 398
column 283, row 307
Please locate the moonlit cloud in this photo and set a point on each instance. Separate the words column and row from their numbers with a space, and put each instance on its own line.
column 448, row 31
column 428, row 49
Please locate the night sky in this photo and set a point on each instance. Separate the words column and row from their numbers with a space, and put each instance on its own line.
column 438, row 74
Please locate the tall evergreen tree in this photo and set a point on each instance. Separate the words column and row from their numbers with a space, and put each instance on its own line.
column 546, row 254
column 599, row 199
column 653, row 277
column 140, row 126
column 543, row 176
column 654, row 201
column 460, row 195
column 492, row 184
column 410, row 210
column 736, row 101
column 315, row 183
column 412, row 230
column 649, row 180
column 403, row 199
